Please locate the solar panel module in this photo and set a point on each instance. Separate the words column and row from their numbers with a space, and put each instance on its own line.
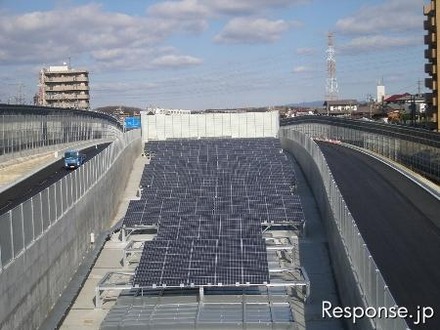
column 190, row 262
column 210, row 200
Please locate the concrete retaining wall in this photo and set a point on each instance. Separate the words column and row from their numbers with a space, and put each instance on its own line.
column 348, row 287
column 32, row 284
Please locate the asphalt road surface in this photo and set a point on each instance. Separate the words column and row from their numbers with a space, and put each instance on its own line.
column 31, row 186
column 397, row 221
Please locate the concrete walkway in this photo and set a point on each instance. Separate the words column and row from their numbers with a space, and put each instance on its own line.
column 315, row 258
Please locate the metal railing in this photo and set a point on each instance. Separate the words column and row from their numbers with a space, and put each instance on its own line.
column 372, row 287
column 414, row 148
column 26, row 223
column 25, row 130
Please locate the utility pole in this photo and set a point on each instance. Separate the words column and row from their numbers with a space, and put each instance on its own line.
column 413, row 110
column 370, row 104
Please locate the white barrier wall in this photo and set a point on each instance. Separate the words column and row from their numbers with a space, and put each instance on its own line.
column 231, row 125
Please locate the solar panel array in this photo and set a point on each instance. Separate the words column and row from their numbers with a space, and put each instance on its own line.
column 209, row 199
column 194, row 262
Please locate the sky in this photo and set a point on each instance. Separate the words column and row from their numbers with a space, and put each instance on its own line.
column 200, row 54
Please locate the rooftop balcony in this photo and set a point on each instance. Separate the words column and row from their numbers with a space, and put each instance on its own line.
column 67, row 97
column 66, row 88
column 430, row 68
column 429, row 23
column 430, row 39
column 65, row 78
column 431, row 53
column 429, row 8
column 431, row 84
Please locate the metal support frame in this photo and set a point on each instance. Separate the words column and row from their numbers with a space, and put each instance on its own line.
column 128, row 231
column 280, row 248
column 304, row 282
column 297, row 226
column 201, row 294
column 102, row 286
column 131, row 250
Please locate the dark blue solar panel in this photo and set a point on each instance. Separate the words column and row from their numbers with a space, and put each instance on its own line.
column 203, row 261
column 209, row 199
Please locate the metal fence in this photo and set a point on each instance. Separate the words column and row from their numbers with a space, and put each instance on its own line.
column 414, row 148
column 373, row 289
column 26, row 223
column 26, row 130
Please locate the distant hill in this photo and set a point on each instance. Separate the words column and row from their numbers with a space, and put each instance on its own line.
column 117, row 109
column 311, row 104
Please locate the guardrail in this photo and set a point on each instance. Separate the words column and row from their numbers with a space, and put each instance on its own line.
column 346, row 239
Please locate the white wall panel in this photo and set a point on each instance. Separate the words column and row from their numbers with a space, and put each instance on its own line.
column 236, row 125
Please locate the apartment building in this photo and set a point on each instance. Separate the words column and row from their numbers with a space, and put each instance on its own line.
column 432, row 13
column 63, row 87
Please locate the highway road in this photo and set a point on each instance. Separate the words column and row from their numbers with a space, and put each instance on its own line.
column 39, row 181
column 397, row 221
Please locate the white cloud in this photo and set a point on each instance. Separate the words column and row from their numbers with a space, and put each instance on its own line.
column 185, row 16
column 115, row 40
column 242, row 7
column 195, row 15
column 389, row 25
column 377, row 42
column 251, row 31
column 306, row 51
column 202, row 9
column 390, row 16
column 143, row 58
column 176, row 61
column 123, row 41
column 184, row 10
column 302, row 69
column 121, row 86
